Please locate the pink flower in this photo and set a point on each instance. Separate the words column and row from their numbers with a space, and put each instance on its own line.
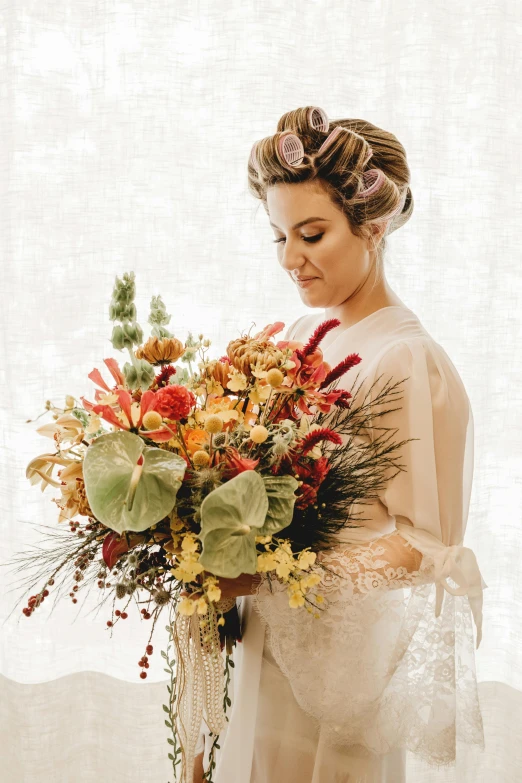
column 174, row 402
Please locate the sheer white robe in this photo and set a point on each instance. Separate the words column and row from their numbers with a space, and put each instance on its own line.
column 389, row 665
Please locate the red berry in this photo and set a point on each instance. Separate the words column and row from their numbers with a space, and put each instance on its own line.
column 143, row 675
column 146, row 665
column 109, row 623
column 117, row 612
column 75, row 600
column 50, row 582
column 124, row 615
column 150, row 649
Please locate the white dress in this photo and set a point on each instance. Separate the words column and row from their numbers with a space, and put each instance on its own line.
column 389, row 666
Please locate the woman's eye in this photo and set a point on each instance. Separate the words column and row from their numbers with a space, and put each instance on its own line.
column 315, row 238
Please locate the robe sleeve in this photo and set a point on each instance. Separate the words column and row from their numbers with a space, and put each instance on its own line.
column 427, row 502
column 413, row 540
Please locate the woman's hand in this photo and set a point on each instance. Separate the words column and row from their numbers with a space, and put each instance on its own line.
column 244, row 584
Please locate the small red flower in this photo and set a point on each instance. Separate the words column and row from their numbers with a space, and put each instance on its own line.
column 163, row 377
column 174, row 402
column 236, row 464
column 307, row 496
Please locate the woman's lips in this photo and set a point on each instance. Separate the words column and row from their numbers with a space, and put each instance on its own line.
column 306, row 283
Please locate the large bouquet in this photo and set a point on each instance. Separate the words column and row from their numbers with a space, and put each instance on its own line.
column 176, row 476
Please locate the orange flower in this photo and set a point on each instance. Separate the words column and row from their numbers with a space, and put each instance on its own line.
column 195, row 440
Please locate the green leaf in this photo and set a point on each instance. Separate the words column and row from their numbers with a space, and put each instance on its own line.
column 228, row 701
column 171, row 757
column 231, row 663
column 281, row 500
column 170, row 741
column 231, row 517
column 165, row 708
column 119, row 494
column 168, row 723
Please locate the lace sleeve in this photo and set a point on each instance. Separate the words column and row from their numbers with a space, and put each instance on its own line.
column 388, row 562
column 378, row 668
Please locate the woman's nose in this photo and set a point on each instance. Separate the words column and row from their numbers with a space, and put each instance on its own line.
column 291, row 258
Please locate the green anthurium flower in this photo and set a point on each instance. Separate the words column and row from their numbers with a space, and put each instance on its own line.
column 235, row 513
column 281, row 500
column 130, row 486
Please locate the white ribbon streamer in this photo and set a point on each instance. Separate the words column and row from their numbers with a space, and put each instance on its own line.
column 456, row 562
column 199, row 684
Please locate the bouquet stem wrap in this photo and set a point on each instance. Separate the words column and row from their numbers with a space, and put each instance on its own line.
column 199, row 684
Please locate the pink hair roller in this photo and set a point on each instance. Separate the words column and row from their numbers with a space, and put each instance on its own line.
column 378, row 177
column 318, row 119
column 331, row 138
column 291, row 148
column 398, row 209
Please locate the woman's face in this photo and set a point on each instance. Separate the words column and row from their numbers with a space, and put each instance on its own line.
column 325, row 248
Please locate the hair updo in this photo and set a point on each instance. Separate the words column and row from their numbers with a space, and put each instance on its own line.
column 363, row 168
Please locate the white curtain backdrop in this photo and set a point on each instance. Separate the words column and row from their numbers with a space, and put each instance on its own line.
column 125, row 130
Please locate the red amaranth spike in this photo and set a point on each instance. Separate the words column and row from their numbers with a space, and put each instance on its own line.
column 351, row 361
column 320, row 332
column 313, row 438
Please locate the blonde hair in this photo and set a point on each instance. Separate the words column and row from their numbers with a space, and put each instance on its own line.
column 342, row 169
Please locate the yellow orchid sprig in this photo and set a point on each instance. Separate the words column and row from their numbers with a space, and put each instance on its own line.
column 292, row 568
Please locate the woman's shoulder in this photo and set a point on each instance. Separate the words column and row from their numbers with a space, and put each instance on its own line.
column 302, row 326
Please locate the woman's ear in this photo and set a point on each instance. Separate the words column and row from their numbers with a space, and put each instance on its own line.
column 375, row 232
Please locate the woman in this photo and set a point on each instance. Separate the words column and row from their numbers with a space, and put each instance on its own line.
column 389, row 666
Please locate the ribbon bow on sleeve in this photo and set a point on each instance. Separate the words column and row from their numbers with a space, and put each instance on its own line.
column 456, row 562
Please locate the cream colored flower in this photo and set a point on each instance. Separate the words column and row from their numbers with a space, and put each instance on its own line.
column 266, row 562
column 214, row 593
column 93, row 425
column 306, row 559
column 187, row 607
column 296, row 599
column 260, row 394
column 283, row 570
column 238, row 381
column 189, row 543
column 311, row 580
column 202, row 605
column 65, row 428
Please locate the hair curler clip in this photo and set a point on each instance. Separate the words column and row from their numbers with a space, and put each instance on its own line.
column 330, row 139
column 318, row 119
column 290, row 148
column 373, row 180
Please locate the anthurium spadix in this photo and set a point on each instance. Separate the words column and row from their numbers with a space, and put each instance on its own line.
column 232, row 515
column 129, row 485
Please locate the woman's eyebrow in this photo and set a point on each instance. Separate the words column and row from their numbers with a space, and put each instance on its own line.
column 302, row 222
